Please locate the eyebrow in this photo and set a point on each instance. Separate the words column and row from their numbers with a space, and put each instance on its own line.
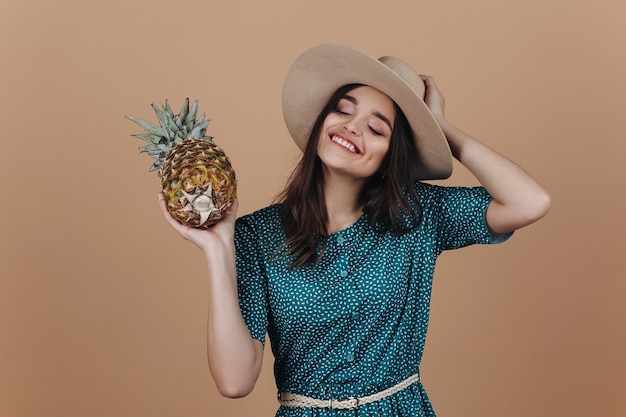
column 377, row 114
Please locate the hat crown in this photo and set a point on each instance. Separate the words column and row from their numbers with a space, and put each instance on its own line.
column 404, row 71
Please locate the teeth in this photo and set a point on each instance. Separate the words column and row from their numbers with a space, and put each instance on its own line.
column 344, row 143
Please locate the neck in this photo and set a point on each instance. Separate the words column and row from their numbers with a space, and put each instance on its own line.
column 342, row 202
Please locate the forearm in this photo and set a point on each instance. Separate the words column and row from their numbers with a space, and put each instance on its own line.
column 234, row 356
column 519, row 199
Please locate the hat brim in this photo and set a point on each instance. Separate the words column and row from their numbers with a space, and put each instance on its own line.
column 318, row 72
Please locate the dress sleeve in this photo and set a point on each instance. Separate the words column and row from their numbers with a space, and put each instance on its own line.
column 251, row 279
column 462, row 218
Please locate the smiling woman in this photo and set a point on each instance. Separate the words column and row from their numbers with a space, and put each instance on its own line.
column 339, row 271
column 355, row 135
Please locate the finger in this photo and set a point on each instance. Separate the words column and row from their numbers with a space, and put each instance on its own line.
column 227, row 223
column 180, row 228
column 163, row 205
column 232, row 212
column 430, row 84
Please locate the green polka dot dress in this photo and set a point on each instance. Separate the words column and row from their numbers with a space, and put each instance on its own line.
column 355, row 323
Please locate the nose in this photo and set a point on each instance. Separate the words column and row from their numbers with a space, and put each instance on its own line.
column 351, row 126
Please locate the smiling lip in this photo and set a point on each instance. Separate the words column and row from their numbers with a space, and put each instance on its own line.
column 346, row 144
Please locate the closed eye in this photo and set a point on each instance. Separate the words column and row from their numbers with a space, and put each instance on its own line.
column 376, row 132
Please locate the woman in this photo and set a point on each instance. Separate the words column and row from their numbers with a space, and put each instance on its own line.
column 339, row 273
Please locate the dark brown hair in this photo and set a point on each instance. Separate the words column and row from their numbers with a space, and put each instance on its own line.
column 389, row 198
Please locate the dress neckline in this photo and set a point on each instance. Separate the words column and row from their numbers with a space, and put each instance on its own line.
column 348, row 229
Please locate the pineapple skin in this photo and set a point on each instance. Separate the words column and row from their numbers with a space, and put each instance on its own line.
column 198, row 182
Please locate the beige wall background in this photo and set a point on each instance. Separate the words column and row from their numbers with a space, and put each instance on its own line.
column 103, row 307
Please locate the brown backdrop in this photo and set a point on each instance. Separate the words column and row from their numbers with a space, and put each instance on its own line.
column 103, row 307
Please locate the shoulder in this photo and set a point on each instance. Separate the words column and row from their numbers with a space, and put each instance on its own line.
column 268, row 213
column 447, row 200
column 430, row 194
column 436, row 193
column 425, row 189
column 267, row 220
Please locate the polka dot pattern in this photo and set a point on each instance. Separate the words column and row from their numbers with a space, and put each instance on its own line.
column 355, row 323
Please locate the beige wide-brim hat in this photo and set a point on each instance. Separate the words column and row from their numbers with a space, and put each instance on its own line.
column 320, row 71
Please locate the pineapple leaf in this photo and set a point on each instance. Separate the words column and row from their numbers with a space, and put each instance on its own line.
column 163, row 120
column 191, row 116
column 203, row 120
column 149, row 127
column 151, row 149
column 172, row 129
column 155, row 166
column 197, row 132
column 150, row 138
column 168, row 109
column 184, row 111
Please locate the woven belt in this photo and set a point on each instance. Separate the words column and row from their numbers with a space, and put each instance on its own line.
column 287, row 399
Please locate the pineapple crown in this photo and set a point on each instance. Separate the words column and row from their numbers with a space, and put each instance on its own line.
column 172, row 129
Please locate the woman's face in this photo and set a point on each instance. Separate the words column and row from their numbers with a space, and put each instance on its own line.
column 355, row 135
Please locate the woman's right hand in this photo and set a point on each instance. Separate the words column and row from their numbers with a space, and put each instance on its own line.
column 219, row 234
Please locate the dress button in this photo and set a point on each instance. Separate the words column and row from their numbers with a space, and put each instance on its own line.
column 343, row 273
column 349, row 356
column 340, row 240
column 356, row 316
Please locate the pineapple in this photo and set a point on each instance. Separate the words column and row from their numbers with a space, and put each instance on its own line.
column 197, row 178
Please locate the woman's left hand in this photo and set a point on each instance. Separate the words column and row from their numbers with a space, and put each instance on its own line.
column 433, row 98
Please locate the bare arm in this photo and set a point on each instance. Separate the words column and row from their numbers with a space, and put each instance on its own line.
column 518, row 200
column 235, row 358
